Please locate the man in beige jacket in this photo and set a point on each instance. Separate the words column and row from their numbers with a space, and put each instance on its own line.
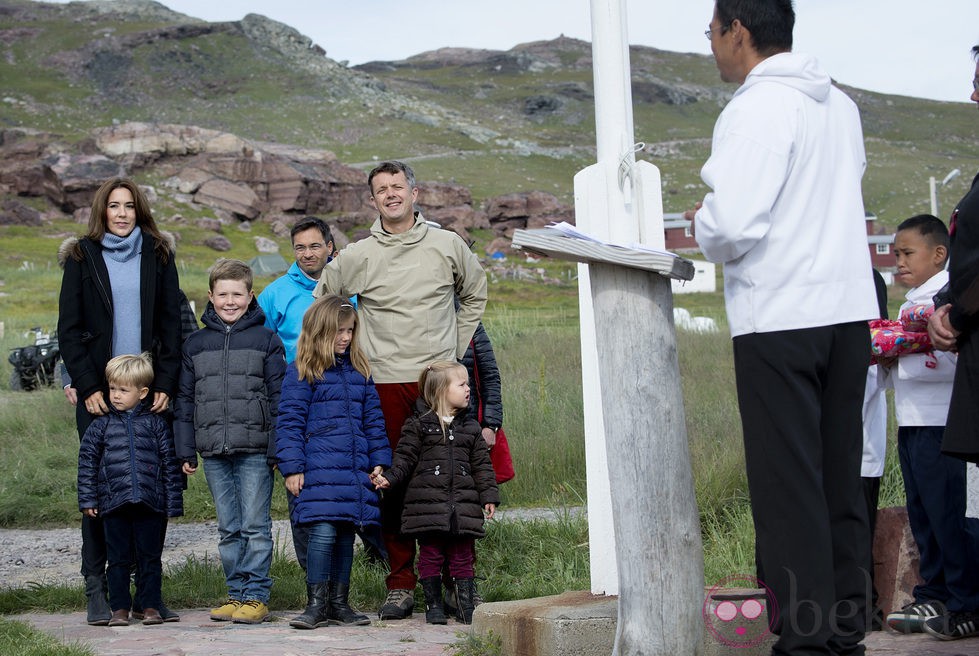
column 406, row 277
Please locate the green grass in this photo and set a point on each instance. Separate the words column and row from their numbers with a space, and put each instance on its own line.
column 472, row 644
column 21, row 639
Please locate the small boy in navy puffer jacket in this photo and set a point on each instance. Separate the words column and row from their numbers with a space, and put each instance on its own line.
column 129, row 476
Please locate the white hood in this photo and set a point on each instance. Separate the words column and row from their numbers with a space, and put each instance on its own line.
column 798, row 71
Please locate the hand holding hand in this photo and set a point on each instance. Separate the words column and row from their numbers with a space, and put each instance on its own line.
column 381, row 483
column 188, row 469
column 490, row 510
column 294, row 483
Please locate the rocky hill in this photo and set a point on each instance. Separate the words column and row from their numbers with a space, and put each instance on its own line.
column 251, row 120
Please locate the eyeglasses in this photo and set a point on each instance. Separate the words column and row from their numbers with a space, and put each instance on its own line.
column 312, row 248
column 975, row 84
column 709, row 32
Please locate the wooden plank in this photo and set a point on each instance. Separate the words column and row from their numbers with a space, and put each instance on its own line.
column 552, row 243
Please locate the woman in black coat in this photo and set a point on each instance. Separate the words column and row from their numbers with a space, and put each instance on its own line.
column 955, row 323
column 119, row 295
column 486, row 400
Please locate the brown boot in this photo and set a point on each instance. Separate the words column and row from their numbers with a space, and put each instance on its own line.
column 152, row 616
column 119, row 617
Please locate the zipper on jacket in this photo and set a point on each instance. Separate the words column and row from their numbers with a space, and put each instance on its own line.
column 353, row 441
column 132, row 456
column 450, row 442
column 227, row 351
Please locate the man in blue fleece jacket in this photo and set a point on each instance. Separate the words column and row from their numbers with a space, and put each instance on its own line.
column 286, row 299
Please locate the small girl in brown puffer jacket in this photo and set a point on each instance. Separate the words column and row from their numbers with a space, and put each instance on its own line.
column 443, row 460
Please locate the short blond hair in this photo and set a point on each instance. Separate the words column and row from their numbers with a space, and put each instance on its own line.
column 135, row 370
column 227, row 269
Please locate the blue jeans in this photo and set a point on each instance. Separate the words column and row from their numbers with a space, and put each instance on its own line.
column 242, row 489
column 330, row 555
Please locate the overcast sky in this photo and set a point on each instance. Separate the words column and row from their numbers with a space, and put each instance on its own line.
column 905, row 47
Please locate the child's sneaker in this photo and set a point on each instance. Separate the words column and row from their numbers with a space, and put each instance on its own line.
column 953, row 626
column 225, row 612
column 251, row 612
column 912, row 618
column 398, row 605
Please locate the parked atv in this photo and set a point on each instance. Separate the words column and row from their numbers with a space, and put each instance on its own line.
column 34, row 365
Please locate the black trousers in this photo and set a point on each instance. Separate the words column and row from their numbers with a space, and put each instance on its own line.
column 93, row 533
column 94, row 554
column 871, row 495
column 300, row 534
column 800, row 394
column 133, row 535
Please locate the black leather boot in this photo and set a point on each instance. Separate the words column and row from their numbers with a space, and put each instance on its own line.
column 434, row 613
column 465, row 593
column 315, row 614
column 97, row 609
column 339, row 611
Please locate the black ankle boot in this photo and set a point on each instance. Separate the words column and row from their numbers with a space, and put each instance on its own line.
column 339, row 610
column 434, row 613
column 465, row 594
column 316, row 605
column 97, row 609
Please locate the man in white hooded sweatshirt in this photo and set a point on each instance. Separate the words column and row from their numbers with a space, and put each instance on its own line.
column 785, row 217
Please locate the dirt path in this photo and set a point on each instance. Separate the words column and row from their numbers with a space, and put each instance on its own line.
column 54, row 555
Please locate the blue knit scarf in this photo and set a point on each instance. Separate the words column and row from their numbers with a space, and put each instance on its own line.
column 122, row 258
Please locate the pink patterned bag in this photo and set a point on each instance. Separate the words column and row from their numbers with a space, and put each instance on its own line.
column 892, row 338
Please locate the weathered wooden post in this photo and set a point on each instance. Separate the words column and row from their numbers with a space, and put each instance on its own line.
column 631, row 379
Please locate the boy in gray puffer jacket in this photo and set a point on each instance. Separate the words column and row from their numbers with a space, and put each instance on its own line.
column 226, row 409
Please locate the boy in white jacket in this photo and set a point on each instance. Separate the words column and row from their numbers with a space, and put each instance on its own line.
column 934, row 483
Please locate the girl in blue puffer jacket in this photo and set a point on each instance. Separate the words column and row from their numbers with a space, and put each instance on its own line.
column 330, row 443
